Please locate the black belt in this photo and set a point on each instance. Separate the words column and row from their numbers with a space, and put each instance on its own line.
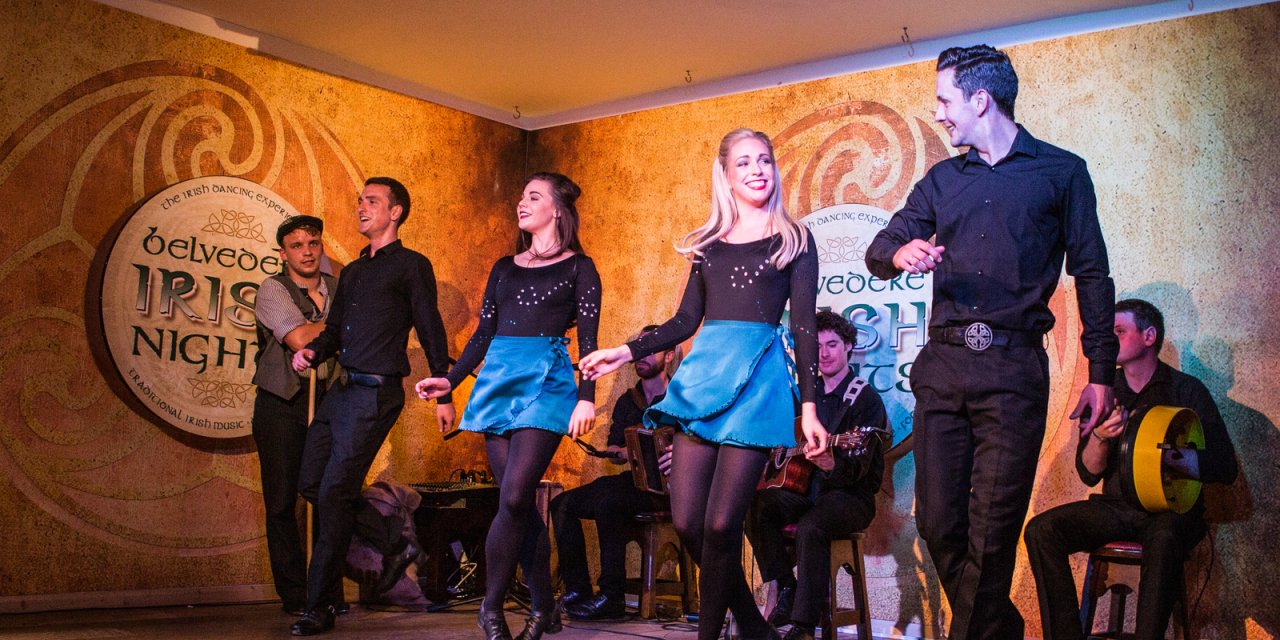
column 364, row 379
column 979, row 337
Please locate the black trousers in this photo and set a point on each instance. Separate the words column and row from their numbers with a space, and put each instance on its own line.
column 342, row 442
column 280, row 432
column 834, row 514
column 1082, row 526
column 612, row 502
column 979, row 423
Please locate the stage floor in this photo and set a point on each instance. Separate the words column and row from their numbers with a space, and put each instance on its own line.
column 252, row 622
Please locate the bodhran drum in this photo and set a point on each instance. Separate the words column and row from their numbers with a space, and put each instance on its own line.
column 1159, row 452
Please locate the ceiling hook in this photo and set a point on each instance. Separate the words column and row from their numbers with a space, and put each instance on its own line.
column 911, row 47
column 688, row 76
column 517, row 113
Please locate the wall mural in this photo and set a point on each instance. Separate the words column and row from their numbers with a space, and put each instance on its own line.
column 89, row 157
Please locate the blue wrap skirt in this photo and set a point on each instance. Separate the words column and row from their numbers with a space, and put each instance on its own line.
column 525, row 382
column 733, row 387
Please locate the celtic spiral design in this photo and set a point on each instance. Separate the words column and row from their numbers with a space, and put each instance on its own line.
column 236, row 224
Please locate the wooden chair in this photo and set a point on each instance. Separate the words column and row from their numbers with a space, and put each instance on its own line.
column 846, row 554
column 1098, row 580
column 654, row 533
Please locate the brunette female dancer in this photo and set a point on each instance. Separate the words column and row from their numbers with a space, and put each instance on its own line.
column 732, row 397
column 524, row 400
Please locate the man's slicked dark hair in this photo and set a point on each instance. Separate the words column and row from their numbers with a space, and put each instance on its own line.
column 399, row 195
column 983, row 67
column 837, row 324
column 1145, row 315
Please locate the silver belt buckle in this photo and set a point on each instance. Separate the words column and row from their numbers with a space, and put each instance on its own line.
column 977, row 336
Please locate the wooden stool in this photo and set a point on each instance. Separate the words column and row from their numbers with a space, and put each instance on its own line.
column 653, row 532
column 846, row 553
column 1097, row 581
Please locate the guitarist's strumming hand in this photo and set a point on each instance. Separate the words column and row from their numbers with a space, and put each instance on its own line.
column 815, row 435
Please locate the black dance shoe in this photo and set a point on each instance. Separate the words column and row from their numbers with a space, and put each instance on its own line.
column 601, row 607
column 494, row 625
column 781, row 614
column 799, row 632
column 314, row 622
column 574, row 598
column 393, row 567
column 539, row 623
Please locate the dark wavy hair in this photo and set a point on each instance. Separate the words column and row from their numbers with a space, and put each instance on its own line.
column 564, row 194
column 837, row 324
column 983, row 67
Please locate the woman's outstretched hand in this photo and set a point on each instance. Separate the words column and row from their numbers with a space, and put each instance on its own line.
column 602, row 362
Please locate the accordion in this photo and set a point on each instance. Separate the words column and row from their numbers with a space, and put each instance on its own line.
column 644, row 447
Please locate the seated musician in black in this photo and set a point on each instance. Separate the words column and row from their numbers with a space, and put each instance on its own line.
column 612, row 502
column 1085, row 525
column 840, row 498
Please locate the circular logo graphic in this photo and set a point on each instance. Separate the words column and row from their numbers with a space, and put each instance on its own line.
column 178, row 288
column 977, row 336
column 891, row 316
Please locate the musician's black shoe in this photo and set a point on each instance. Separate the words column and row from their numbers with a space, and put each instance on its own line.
column 781, row 614
column 601, row 607
column 799, row 632
column 314, row 622
column 494, row 625
column 294, row 609
column 539, row 623
column 393, row 567
column 574, row 598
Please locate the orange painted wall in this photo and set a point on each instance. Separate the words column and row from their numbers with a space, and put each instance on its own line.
column 101, row 109
column 1175, row 118
column 1177, row 122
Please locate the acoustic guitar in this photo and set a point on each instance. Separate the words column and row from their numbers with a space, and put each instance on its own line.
column 789, row 470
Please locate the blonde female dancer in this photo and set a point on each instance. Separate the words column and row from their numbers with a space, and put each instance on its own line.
column 733, row 396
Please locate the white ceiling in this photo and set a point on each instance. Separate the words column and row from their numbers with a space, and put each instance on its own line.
column 560, row 61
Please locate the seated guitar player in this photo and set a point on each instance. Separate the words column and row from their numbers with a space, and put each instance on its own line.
column 832, row 500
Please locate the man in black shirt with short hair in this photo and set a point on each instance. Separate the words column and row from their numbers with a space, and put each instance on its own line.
column 1004, row 215
column 380, row 295
column 1166, row 537
column 841, row 496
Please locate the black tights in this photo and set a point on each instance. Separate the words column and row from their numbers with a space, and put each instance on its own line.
column 711, row 487
column 518, row 533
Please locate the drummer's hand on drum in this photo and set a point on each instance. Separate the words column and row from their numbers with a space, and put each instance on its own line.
column 432, row 388
column 583, row 418
column 602, row 362
column 815, row 436
column 1099, row 400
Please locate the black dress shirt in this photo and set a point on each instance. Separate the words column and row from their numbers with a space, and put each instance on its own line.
column 379, row 298
column 1006, row 229
column 859, row 475
column 1173, row 388
column 628, row 411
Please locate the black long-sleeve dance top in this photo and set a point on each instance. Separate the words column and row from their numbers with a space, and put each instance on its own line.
column 536, row 301
column 737, row 282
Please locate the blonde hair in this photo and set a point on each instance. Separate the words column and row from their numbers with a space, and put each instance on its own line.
column 724, row 209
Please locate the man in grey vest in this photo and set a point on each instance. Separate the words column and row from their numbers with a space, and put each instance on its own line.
column 291, row 309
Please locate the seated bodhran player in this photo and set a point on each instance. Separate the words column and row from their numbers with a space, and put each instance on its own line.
column 1166, row 537
column 838, row 500
column 612, row 502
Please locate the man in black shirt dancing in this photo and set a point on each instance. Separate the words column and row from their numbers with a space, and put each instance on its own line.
column 380, row 295
column 1001, row 216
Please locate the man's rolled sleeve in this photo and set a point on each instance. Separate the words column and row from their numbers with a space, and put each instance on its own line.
column 276, row 311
